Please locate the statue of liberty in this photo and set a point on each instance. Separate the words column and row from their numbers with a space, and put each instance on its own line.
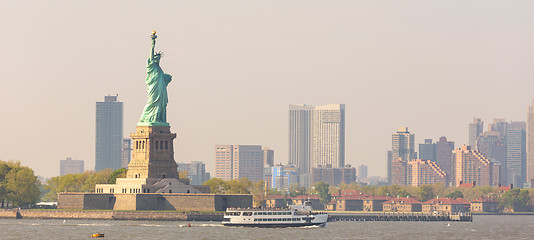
column 155, row 113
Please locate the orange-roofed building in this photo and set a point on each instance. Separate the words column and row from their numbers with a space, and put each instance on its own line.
column 446, row 205
column 374, row 203
column 402, row 204
column 484, row 204
column 350, row 203
column 276, row 201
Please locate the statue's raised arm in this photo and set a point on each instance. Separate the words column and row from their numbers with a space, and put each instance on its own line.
column 153, row 36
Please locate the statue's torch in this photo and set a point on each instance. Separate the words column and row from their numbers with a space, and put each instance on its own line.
column 153, row 36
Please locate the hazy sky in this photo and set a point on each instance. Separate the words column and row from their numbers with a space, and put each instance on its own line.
column 237, row 65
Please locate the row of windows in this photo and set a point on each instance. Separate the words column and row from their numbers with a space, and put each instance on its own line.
column 272, row 213
column 157, row 144
column 276, row 219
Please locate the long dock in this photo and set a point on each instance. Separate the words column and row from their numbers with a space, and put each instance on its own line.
column 399, row 216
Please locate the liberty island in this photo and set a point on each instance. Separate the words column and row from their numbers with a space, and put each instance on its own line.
column 152, row 181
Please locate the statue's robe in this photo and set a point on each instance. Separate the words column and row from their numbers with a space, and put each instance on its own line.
column 156, row 81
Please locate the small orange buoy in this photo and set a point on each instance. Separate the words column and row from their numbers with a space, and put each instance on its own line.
column 189, row 225
column 98, row 235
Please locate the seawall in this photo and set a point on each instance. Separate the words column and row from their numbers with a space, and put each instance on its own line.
column 111, row 215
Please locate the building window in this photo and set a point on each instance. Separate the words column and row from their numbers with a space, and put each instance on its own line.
column 157, row 144
column 166, row 145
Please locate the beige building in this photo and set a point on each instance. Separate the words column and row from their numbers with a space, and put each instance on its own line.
column 239, row 161
column 70, row 166
column 398, row 172
column 470, row 166
column 446, row 205
column 402, row 204
column 423, row 172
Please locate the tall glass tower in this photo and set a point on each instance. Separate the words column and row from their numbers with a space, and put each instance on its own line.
column 108, row 144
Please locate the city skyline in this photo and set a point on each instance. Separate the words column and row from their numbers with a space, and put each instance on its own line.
column 448, row 69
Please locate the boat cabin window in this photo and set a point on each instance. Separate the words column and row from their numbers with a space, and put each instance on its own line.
column 247, row 213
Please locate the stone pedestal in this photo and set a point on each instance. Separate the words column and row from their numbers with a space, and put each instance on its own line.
column 152, row 154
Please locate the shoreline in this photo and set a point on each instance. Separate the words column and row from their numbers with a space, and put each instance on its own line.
column 111, row 215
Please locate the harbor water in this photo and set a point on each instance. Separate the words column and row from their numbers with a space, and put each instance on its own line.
column 482, row 227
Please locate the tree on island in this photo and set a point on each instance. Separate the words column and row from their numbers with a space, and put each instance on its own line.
column 323, row 190
column 516, row 199
column 18, row 185
column 82, row 182
column 455, row 194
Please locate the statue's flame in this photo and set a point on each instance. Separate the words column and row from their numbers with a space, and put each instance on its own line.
column 154, row 32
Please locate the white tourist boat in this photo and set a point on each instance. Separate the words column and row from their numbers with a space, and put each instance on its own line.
column 290, row 216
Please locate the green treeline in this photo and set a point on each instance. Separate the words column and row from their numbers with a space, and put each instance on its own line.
column 82, row 182
column 19, row 187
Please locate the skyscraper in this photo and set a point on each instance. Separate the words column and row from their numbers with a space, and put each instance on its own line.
column 493, row 146
column 516, row 153
column 362, row 171
column 108, row 145
column 470, row 166
column 268, row 156
column 239, row 161
column 427, row 150
column 402, row 147
column 300, row 137
column 196, row 172
column 316, row 137
column 529, row 174
column 70, row 166
column 444, row 150
column 476, row 128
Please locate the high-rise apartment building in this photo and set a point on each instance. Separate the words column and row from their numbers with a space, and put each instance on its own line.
column 499, row 125
column 516, row 154
column 268, row 156
column 476, row 128
column 108, row 144
column 403, row 147
column 529, row 173
column 300, row 137
column 427, row 150
column 239, row 161
column 470, row 166
column 423, row 172
column 444, row 150
column 126, row 153
column 316, row 137
column 70, row 166
column 362, row 171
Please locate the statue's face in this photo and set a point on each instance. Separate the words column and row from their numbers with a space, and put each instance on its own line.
column 157, row 57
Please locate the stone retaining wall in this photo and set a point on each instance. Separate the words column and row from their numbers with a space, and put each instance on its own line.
column 111, row 215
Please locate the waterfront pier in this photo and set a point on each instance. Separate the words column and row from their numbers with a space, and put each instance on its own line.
column 399, row 216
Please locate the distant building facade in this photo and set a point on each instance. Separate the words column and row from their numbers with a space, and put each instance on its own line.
column 444, row 150
column 362, row 171
column 108, row 144
column 470, row 166
column 334, row 176
column 424, row 172
column 402, row 150
column 196, row 172
column 268, row 156
column 316, row 137
column 427, row 150
column 492, row 144
column 516, row 154
column 475, row 129
column 126, row 153
column 239, row 161
column 70, row 166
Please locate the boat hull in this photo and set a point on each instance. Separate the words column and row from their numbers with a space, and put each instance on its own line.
column 273, row 225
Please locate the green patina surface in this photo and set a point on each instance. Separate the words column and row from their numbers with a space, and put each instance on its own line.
column 155, row 112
